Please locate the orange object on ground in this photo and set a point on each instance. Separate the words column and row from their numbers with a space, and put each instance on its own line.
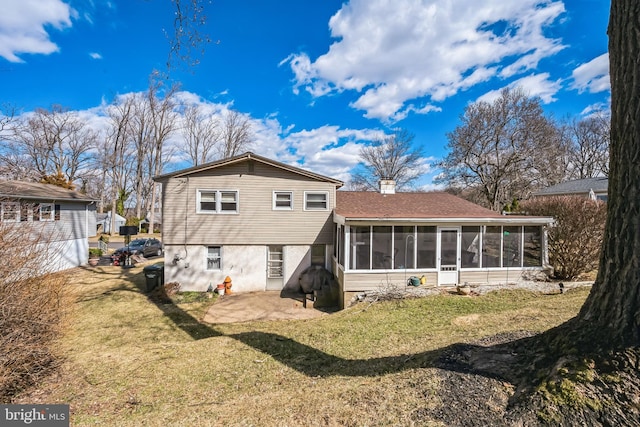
column 227, row 285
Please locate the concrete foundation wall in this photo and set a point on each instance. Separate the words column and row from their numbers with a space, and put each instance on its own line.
column 246, row 265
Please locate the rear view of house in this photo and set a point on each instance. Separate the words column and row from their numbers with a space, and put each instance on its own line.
column 256, row 220
column 262, row 223
column 57, row 221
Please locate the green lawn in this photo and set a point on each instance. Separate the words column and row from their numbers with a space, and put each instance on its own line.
column 130, row 361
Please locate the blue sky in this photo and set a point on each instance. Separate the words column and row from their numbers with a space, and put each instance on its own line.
column 318, row 78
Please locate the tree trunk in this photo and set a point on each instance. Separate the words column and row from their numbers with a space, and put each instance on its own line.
column 613, row 307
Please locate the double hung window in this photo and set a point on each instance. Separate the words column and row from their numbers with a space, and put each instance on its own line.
column 316, row 201
column 217, row 201
column 282, row 200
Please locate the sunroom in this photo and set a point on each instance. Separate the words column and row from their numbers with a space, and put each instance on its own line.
column 383, row 239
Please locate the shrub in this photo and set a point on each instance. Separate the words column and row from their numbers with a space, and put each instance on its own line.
column 32, row 310
column 575, row 238
column 95, row 252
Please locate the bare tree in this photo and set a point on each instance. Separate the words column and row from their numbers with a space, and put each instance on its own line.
column 116, row 152
column 141, row 126
column 392, row 157
column 589, row 146
column 502, row 149
column 55, row 143
column 200, row 133
column 187, row 39
column 235, row 134
column 13, row 164
column 163, row 123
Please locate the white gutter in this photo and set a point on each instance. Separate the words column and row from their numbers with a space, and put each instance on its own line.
column 502, row 220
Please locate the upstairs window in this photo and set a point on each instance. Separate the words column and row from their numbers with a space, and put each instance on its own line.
column 229, row 201
column 316, row 201
column 207, row 201
column 217, row 201
column 283, row 200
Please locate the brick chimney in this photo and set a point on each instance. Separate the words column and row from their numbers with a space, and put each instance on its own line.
column 387, row 186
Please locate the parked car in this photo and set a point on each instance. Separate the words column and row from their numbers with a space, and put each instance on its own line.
column 145, row 247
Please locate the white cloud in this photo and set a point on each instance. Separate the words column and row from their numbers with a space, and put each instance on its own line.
column 22, row 26
column 535, row 85
column 95, row 55
column 592, row 76
column 327, row 150
column 395, row 52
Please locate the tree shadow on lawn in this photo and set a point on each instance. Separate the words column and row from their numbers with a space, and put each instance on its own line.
column 315, row 363
column 490, row 381
column 464, row 358
column 482, row 381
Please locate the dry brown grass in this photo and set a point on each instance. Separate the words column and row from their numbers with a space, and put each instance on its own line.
column 131, row 361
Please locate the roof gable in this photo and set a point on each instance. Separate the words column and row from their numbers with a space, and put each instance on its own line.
column 247, row 157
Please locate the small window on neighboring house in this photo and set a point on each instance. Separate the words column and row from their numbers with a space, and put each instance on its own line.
column 214, row 257
column 316, row 201
column 46, row 212
column 217, row 201
column 283, row 200
column 10, row 212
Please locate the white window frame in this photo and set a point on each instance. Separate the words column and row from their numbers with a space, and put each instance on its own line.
column 275, row 207
column 52, row 212
column 275, row 265
column 218, row 257
column 5, row 210
column 219, row 203
column 306, row 200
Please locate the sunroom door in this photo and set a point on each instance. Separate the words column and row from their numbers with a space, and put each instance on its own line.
column 448, row 255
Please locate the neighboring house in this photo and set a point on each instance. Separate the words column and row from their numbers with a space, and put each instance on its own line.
column 59, row 220
column 103, row 222
column 262, row 223
column 157, row 221
column 594, row 188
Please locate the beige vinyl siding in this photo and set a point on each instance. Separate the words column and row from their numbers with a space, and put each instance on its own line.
column 256, row 221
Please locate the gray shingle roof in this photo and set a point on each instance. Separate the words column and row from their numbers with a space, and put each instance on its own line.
column 37, row 191
column 578, row 186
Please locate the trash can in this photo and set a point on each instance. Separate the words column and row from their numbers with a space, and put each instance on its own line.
column 154, row 275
